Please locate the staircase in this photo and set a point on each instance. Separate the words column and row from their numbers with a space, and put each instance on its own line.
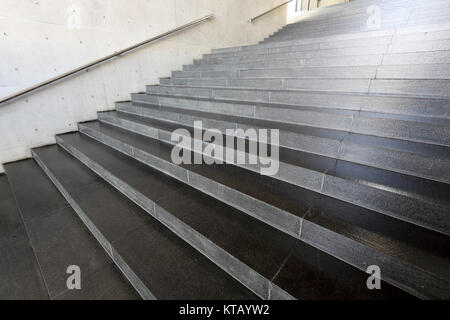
column 364, row 176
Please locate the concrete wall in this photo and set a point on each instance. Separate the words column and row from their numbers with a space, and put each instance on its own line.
column 40, row 39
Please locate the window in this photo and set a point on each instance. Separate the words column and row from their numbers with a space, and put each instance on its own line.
column 298, row 6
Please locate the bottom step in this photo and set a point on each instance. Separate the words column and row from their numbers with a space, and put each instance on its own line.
column 55, row 239
column 20, row 277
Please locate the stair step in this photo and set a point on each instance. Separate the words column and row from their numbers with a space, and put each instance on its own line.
column 342, row 61
column 335, row 85
column 333, row 72
column 18, row 264
column 324, row 46
column 418, row 72
column 276, row 203
column 420, row 46
column 59, row 240
column 395, row 105
column 413, row 88
column 256, row 258
column 306, row 54
column 433, row 132
column 401, row 72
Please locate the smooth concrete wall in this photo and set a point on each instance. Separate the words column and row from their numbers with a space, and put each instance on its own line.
column 40, row 39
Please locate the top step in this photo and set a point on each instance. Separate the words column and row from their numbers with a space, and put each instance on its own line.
column 427, row 33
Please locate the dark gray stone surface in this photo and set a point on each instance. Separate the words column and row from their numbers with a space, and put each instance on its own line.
column 58, row 237
column 145, row 144
column 20, row 275
column 168, row 267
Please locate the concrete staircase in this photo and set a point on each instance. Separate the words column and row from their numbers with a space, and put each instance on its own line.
column 364, row 179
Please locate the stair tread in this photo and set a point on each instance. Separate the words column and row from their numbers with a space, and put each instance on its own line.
column 395, row 72
column 10, row 216
column 142, row 241
column 434, row 88
column 18, row 264
column 391, row 105
column 53, row 229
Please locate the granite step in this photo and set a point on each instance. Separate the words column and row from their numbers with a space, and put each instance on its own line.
column 388, row 106
column 306, row 54
column 343, row 61
column 436, row 88
column 58, row 239
column 418, row 72
column 18, row 265
column 324, row 46
column 360, row 58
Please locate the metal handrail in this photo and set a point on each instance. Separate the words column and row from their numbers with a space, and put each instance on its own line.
column 269, row 11
column 103, row 60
